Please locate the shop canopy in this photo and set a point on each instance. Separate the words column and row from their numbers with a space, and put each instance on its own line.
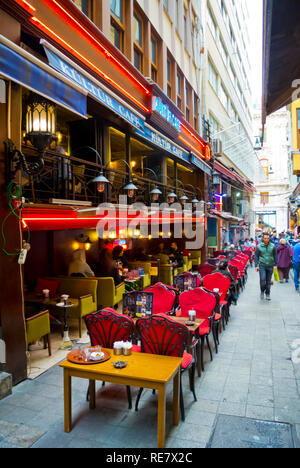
column 23, row 68
column 281, row 77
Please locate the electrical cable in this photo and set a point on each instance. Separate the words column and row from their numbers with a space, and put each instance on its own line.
column 14, row 192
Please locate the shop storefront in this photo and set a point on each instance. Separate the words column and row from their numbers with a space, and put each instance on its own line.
column 98, row 119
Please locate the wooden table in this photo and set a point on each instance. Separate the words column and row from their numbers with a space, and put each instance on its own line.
column 143, row 371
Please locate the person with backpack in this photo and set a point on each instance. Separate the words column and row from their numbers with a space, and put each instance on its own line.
column 265, row 261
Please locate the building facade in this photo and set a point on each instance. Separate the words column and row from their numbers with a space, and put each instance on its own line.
column 99, row 91
column 273, row 192
column 294, row 166
column 227, row 107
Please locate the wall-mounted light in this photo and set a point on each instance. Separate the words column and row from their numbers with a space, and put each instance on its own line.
column 40, row 122
column 184, row 199
column 155, row 194
column 216, row 178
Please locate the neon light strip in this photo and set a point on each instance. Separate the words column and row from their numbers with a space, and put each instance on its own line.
column 50, row 32
column 26, row 5
column 192, row 147
column 193, row 136
column 104, row 50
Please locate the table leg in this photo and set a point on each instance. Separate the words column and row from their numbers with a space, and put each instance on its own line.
column 68, row 401
column 161, row 424
column 92, row 389
column 176, row 394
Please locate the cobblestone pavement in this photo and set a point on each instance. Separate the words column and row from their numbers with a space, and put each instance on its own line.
column 253, row 376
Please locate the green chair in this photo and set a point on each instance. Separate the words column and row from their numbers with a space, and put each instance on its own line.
column 83, row 292
column 166, row 273
column 38, row 327
column 196, row 257
column 188, row 263
column 109, row 295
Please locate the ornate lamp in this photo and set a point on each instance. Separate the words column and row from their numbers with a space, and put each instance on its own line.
column 156, row 192
column 172, row 198
column 40, row 122
column 130, row 188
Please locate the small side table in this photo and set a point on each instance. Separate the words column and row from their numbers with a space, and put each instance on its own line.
column 67, row 343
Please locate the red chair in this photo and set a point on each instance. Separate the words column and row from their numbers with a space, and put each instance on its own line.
column 239, row 265
column 206, row 269
column 205, row 304
column 223, row 283
column 165, row 337
column 235, row 275
column 164, row 299
column 105, row 328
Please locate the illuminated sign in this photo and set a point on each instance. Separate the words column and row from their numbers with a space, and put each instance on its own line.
column 164, row 111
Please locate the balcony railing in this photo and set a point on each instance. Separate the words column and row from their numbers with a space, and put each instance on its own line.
column 70, row 178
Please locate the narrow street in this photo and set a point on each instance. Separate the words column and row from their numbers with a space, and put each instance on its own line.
column 252, row 377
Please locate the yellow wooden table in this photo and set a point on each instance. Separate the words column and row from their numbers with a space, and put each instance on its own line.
column 143, row 371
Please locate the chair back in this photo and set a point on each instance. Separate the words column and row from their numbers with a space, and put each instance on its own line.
column 107, row 326
column 217, row 281
column 164, row 298
column 206, row 269
column 200, row 300
column 234, row 271
column 162, row 336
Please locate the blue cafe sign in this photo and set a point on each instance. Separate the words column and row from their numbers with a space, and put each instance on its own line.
column 164, row 111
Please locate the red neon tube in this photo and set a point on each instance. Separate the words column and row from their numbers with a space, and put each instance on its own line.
column 103, row 49
column 193, row 136
column 192, row 147
column 26, row 5
column 65, row 44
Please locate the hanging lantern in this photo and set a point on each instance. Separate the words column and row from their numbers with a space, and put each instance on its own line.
column 172, row 198
column 101, row 182
column 184, row 199
column 130, row 189
column 155, row 193
column 40, row 122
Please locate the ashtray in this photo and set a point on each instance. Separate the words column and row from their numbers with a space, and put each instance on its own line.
column 120, row 364
column 190, row 324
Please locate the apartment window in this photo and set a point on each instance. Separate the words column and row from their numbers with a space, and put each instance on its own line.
column 138, row 42
column 196, row 107
column 169, row 77
column 177, row 14
column 212, row 76
column 117, row 8
column 264, row 198
column 179, row 89
column 223, row 96
column 154, row 59
column 212, row 24
column 117, row 30
column 85, row 6
column 187, row 103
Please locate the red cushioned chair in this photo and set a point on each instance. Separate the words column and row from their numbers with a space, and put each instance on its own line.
column 164, row 299
column 221, row 282
column 206, row 305
column 163, row 336
column 105, row 328
column 239, row 265
column 205, row 269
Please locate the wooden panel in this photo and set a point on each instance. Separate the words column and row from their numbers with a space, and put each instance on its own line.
column 11, row 292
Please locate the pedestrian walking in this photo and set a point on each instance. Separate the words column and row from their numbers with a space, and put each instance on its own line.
column 296, row 264
column 285, row 260
column 265, row 261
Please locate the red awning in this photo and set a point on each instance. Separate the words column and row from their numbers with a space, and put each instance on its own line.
column 233, row 175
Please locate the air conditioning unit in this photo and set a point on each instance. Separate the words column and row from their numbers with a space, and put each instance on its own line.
column 217, row 147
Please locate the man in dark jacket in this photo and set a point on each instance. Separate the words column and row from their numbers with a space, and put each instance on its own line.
column 265, row 261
